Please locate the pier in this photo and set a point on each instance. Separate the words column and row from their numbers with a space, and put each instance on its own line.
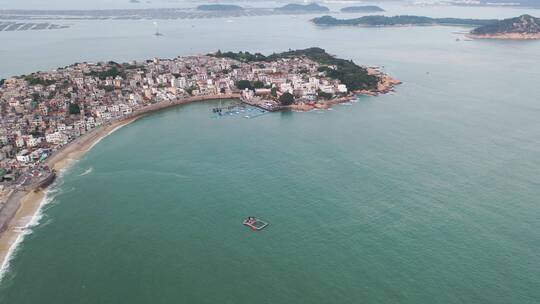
column 267, row 105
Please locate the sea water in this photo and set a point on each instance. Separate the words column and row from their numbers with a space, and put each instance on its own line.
column 426, row 195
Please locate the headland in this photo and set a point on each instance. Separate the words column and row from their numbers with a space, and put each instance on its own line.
column 51, row 118
column 525, row 27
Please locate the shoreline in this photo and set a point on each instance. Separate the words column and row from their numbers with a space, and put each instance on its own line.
column 22, row 209
column 505, row 36
column 25, row 205
column 386, row 86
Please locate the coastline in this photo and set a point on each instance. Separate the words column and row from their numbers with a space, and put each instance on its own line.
column 22, row 208
column 505, row 36
column 386, row 85
column 25, row 205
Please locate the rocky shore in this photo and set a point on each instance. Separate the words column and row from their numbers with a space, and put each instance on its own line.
column 385, row 85
column 506, row 36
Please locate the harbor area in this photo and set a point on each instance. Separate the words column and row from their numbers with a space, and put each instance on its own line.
column 237, row 109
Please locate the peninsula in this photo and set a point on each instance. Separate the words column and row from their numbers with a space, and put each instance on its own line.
column 362, row 9
column 524, row 27
column 49, row 116
column 399, row 21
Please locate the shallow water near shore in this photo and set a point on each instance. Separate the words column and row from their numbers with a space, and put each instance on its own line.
column 426, row 195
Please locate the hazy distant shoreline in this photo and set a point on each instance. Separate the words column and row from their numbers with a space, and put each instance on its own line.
column 135, row 14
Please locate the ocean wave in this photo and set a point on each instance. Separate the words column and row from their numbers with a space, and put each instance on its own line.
column 87, row 171
column 31, row 222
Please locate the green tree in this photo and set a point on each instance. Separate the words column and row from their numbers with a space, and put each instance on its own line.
column 244, row 84
column 258, row 84
column 74, row 108
column 33, row 80
column 35, row 97
column 324, row 95
column 286, row 99
column 273, row 92
column 190, row 90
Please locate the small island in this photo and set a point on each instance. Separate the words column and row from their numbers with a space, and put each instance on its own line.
column 399, row 21
column 302, row 8
column 524, row 27
column 362, row 9
column 219, row 8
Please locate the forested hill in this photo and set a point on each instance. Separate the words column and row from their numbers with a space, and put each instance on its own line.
column 346, row 71
column 525, row 24
column 400, row 20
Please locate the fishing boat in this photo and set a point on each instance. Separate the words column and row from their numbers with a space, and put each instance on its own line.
column 254, row 223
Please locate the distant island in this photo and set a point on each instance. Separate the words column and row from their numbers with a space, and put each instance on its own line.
column 303, row 8
column 362, row 9
column 219, row 7
column 399, row 21
column 520, row 28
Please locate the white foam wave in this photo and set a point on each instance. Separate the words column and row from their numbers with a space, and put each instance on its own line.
column 23, row 231
column 35, row 219
column 87, row 171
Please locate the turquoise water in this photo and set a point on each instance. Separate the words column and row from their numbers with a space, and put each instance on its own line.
column 428, row 195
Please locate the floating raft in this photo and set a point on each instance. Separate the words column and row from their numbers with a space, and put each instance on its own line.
column 255, row 224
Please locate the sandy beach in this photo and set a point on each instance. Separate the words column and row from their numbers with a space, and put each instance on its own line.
column 22, row 208
column 27, row 204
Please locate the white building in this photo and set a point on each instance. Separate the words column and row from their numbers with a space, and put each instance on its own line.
column 56, row 138
column 23, row 156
